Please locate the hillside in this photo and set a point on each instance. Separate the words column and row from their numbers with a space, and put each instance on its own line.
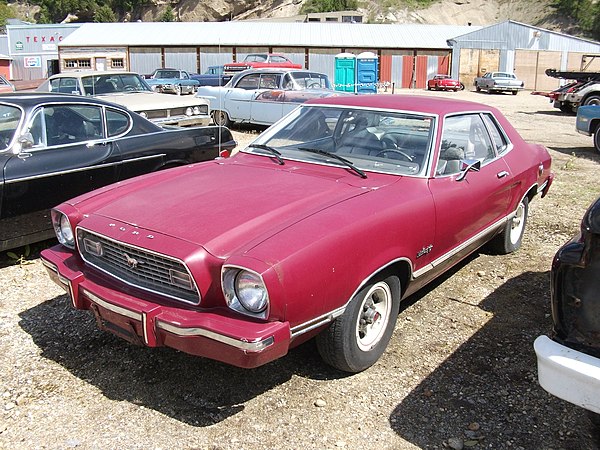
column 448, row 12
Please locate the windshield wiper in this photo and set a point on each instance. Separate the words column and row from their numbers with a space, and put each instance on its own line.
column 271, row 150
column 348, row 163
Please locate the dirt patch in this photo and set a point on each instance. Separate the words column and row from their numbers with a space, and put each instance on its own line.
column 460, row 367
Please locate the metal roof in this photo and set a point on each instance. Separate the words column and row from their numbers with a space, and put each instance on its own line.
column 267, row 34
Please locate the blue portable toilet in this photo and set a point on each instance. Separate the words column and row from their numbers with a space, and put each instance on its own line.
column 367, row 73
column 345, row 72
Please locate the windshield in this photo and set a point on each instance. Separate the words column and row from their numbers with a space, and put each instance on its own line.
column 371, row 140
column 113, row 83
column 10, row 116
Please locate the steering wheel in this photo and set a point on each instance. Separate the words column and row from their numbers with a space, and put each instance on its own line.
column 313, row 85
column 404, row 155
column 128, row 87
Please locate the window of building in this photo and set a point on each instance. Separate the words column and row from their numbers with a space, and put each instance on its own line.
column 78, row 63
column 117, row 63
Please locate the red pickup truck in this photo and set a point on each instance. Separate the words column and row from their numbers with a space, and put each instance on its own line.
column 256, row 60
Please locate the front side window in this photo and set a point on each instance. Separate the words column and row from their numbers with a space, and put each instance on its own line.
column 371, row 140
column 269, row 81
column 463, row 137
column 59, row 125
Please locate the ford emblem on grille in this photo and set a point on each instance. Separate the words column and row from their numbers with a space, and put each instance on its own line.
column 131, row 262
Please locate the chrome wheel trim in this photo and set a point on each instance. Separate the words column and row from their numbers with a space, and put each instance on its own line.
column 517, row 224
column 374, row 316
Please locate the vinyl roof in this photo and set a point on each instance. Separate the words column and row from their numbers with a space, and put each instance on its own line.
column 268, row 34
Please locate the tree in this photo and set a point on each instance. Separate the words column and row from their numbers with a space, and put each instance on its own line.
column 168, row 15
column 105, row 13
column 317, row 6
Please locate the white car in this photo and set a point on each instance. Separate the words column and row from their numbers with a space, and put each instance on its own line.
column 263, row 96
column 130, row 90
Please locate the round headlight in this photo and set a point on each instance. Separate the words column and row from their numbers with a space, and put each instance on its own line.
column 196, row 110
column 188, row 111
column 64, row 233
column 251, row 291
column 144, row 115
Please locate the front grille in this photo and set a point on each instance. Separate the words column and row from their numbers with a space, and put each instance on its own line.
column 138, row 267
column 173, row 112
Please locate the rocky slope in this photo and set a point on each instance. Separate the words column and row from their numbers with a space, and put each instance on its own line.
column 448, row 12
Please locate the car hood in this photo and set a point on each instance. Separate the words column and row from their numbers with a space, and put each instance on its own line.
column 228, row 206
column 144, row 101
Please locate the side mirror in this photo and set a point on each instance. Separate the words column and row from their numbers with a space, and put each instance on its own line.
column 24, row 142
column 466, row 166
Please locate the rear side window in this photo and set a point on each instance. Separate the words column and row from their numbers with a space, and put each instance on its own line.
column 499, row 140
column 249, row 82
column 116, row 122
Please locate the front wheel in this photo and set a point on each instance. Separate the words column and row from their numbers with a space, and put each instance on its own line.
column 221, row 118
column 477, row 87
column 356, row 339
column 510, row 239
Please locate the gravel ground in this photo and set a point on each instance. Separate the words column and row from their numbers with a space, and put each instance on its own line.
column 460, row 370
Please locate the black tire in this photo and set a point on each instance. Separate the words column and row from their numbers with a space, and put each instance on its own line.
column 356, row 339
column 515, row 92
column 566, row 108
column 462, row 86
column 595, row 420
column 509, row 240
column 592, row 100
column 428, row 87
column 221, row 118
column 597, row 139
column 477, row 88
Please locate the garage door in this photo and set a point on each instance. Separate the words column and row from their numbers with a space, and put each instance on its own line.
column 530, row 66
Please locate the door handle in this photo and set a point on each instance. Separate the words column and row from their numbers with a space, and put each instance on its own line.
column 502, row 174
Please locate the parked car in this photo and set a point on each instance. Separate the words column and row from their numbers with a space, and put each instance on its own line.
column 213, row 76
column 263, row 96
column 172, row 81
column 5, row 85
column 443, row 82
column 588, row 120
column 257, row 60
column 569, row 360
column 318, row 228
column 499, row 82
column 56, row 146
column 131, row 90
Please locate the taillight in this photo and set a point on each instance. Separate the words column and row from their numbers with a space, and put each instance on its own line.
column 225, row 153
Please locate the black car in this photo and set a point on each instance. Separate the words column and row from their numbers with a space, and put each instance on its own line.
column 56, row 146
column 569, row 361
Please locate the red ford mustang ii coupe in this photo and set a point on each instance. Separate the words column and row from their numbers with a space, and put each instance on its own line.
column 318, row 228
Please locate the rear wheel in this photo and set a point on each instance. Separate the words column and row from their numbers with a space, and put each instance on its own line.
column 566, row 108
column 356, row 339
column 515, row 92
column 510, row 239
column 597, row 139
column 592, row 100
column 221, row 118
